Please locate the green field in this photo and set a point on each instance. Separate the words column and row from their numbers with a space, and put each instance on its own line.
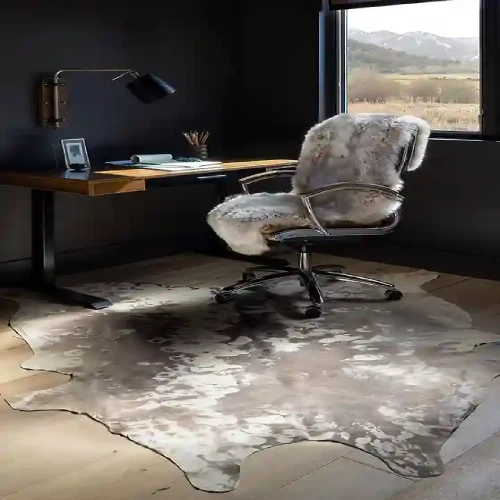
column 446, row 101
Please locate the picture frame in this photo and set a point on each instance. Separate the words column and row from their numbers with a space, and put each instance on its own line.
column 75, row 151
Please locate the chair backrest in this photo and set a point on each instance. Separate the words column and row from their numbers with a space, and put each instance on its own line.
column 363, row 148
column 407, row 154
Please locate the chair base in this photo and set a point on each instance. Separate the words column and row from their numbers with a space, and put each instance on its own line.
column 308, row 276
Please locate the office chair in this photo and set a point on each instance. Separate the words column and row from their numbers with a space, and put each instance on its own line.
column 347, row 184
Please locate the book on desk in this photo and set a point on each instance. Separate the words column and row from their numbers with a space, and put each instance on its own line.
column 163, row 162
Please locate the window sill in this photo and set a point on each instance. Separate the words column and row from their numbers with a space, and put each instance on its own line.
column 464, row 136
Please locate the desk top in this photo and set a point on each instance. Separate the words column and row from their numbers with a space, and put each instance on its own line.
column 113, row 181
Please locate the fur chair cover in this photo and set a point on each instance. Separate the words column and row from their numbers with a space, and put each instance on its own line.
column 345, row 148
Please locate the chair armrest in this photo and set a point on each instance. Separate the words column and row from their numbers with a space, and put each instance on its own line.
column 265, row 175
column 344, row 186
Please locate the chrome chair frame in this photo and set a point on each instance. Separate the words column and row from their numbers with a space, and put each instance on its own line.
column 305, row 238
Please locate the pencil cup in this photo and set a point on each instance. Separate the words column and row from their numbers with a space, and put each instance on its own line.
column 199, row 151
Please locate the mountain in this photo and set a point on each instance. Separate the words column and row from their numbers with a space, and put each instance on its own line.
column 419, row 43
column 383, row 60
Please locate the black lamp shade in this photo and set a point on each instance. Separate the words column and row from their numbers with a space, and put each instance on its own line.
column 149, row 88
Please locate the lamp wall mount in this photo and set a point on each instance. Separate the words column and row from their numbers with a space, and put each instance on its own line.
column 52, row 105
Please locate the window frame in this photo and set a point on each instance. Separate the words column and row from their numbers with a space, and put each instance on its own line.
column 333, row 68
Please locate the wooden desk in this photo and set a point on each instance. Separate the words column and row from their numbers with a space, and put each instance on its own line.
column 106, row 181
column 101, row 182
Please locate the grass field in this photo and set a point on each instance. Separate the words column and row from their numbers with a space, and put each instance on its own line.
column 437, row 76
column 440, row 116
column 446, row 101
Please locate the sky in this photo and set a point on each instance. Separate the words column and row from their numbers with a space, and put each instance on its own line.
column 453, row 18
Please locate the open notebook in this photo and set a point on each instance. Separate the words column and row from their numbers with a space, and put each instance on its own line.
column 162, row 162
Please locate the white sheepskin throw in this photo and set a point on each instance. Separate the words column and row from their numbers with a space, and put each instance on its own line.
column 244, row 220
column 363, row 148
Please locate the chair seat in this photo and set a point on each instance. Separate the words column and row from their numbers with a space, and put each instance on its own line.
column 306, row 236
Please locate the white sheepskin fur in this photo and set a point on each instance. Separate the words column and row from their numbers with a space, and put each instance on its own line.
column 362, row 148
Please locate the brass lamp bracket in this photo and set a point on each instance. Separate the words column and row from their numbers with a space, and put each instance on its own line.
column 53, row 103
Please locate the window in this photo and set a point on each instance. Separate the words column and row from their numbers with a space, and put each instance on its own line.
column 420, row 59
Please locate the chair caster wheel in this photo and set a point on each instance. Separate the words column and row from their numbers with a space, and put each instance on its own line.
column 220, row 298
column 247, row 276
column 393, row 294
column 313, row 312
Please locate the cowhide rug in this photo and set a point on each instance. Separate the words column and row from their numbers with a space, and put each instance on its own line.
column 198, row 383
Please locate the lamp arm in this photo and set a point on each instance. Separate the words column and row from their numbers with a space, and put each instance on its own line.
column 124, row 72
column 57, row 75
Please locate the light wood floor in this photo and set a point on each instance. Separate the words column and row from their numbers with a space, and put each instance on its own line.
column 58, row 455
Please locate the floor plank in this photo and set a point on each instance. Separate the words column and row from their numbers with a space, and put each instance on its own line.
column 38, row 446
column 473, row 295
column 473, row 476
column 443, row 281
column 11, row 360
column 342, row 479
column 32, row 381
column 8, row 338
column 483, row 423
column 266, row 471
column 127, row 475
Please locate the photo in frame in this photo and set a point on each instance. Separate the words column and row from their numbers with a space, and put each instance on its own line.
column 75, row 153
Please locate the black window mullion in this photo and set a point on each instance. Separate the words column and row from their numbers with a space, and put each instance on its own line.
column 490, row 68
column 332, row 62
column 341, row 56
column 328, row 76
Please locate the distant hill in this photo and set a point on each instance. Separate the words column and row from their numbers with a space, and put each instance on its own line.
column 419, row 43
column 383, row 60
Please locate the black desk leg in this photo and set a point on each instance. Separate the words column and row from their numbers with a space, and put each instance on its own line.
column 43, row 254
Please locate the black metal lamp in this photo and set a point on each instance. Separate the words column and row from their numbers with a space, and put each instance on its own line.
column 54, row 95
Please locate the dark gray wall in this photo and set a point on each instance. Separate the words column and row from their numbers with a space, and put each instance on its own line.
column 278, row 88
column 452, row 202
column 186, row 43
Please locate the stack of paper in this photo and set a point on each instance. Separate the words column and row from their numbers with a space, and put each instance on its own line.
column 163, row 162
column 178, row 165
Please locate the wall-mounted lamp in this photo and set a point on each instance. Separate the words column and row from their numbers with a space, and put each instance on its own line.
column 54, row 94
